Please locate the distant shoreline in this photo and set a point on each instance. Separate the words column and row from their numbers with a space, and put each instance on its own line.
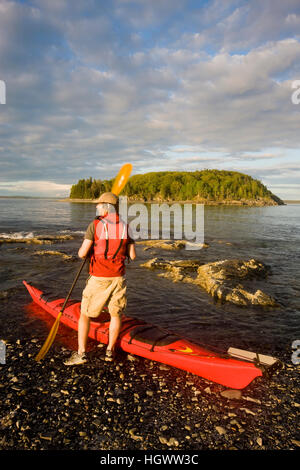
column 28, row 197
column 214, row 203
column 291, row 202
column 243, row 202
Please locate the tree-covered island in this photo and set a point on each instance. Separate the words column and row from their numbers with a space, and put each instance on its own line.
column 204, row 186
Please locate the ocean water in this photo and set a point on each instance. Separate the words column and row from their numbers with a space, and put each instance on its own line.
column 269, row 234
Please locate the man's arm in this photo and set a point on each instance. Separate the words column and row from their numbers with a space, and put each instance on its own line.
column 131, row 251
column 87, row 242
column 85, row 248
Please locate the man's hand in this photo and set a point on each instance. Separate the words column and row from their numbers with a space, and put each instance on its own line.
column 131, row 251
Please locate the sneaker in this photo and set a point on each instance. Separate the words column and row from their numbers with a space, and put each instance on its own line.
column 76, row 359
column 109, row 355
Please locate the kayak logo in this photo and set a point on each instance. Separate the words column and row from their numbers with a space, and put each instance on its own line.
column 2, row 92
column 186, row 350
column 2, row 352
column 296, row 95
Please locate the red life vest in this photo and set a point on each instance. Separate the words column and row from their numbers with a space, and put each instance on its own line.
column 110, row 247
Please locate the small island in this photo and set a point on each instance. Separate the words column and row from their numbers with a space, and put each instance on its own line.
column 205, row 187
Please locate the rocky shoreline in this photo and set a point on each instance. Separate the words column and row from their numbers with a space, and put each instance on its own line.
column 135, row 404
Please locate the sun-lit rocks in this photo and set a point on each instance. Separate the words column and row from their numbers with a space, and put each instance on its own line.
column 221, row 279
column 64, row 256
column 170, row 245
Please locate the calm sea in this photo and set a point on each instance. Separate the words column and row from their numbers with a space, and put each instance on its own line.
column 269, row 234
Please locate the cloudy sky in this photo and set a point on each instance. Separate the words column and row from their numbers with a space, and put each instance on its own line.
column 163, row 84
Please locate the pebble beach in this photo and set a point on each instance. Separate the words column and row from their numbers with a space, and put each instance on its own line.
column 136, row 404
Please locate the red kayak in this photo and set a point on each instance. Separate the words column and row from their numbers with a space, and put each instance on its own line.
column 156, row 344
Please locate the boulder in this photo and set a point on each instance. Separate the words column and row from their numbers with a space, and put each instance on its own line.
column 221, row 279
column 177, row 269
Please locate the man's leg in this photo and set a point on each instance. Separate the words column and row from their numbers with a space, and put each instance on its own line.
column 116, row 307
column 114, row 330
column 83, row 332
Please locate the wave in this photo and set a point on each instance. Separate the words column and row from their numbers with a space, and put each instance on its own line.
column 29, row 235
column 17, row 235
column 73, row 232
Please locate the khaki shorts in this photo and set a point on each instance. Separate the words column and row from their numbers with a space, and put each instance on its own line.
column 101, row 291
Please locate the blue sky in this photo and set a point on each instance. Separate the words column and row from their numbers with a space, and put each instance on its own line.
column 163, row 84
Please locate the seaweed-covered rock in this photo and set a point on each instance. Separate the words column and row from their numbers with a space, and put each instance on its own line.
column 221, row 279
column 55, row 253
column 170, row 245
column 176, row 269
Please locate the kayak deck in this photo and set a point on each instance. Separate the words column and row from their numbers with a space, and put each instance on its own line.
column 154, row 343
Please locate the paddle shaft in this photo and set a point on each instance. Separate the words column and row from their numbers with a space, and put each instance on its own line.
column 73, row 285
column 47, row 344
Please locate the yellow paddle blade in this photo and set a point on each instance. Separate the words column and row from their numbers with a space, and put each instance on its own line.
column 121, row 178
column 47, row 344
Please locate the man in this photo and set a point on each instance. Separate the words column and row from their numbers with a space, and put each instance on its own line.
column 109, row 243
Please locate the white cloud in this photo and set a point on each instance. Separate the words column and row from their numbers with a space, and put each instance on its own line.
column 293, row 19
column 286, row 191
column 35, row 188
column 88, row 91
